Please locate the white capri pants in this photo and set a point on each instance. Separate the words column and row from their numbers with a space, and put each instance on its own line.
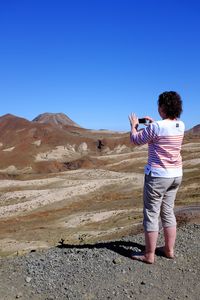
column 159, row 195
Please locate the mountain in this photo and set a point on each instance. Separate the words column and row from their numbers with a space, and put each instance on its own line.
column 56, row 119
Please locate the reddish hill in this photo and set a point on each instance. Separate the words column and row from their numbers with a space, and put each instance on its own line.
column 22, row 140
column 193, row 134
column 10, row 121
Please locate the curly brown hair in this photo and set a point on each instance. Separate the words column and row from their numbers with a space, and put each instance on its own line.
column 171, row 104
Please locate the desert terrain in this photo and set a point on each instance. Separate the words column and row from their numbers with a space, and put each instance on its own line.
column 60, row 182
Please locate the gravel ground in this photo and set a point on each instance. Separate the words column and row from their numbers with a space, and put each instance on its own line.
column 105, row 271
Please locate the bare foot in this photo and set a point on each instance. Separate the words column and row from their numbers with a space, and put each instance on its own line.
column 143, row 258
column 165, row 253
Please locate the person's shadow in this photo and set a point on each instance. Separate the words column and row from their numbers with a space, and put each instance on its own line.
column 124, row 248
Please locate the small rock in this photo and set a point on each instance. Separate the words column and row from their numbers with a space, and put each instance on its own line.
column 19, row 295
column 51, row 298
column 117, row 261
column 151, row 284
column 28, row 279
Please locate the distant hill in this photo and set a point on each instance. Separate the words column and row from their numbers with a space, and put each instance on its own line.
column 51, row 143
column 194, row 130
column 57, row 119
column 11, row 121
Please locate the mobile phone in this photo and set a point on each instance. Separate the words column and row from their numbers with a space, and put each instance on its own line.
column 143, row 121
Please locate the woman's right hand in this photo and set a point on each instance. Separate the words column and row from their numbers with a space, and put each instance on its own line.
column 149, row 119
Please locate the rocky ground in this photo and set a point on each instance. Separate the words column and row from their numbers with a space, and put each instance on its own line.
column 105, row 271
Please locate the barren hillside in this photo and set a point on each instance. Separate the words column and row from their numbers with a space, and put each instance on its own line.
column 42, row 147
column 77, row 184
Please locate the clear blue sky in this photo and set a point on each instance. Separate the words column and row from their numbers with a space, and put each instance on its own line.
column 99, row 60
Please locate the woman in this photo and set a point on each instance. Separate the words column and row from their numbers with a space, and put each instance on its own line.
column 163, row 172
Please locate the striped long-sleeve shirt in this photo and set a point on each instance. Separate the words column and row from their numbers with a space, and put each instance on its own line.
column 164, row 140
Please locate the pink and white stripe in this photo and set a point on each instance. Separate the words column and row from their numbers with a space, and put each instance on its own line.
column 164, row 153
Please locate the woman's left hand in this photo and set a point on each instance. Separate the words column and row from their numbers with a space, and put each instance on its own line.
column 133, row 120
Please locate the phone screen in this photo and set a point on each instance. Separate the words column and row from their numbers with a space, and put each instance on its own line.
column 142, row 121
